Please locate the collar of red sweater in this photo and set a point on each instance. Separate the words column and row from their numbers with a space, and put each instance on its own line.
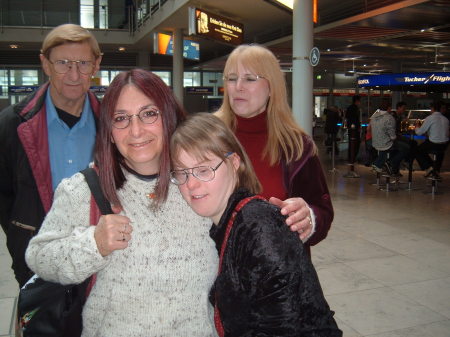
column 255, row 124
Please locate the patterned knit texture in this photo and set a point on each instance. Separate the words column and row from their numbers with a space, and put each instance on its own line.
column 158, row 286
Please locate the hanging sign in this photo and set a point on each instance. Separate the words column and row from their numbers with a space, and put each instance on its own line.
column 210, row 25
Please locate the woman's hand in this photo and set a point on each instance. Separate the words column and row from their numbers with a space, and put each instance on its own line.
column 112, row 232
column 299, row 216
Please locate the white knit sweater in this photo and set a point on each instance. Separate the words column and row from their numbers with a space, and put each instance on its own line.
column 158, row 286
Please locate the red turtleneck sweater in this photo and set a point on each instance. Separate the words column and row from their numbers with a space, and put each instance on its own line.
column 252, row 133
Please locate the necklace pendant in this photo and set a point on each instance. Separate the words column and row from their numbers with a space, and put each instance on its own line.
column 151, row 195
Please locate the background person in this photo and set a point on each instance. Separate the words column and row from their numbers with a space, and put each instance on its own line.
column 267, row 285
column 285, row 159
column 437, row 127
column 154, row 260
column 46, row 137
column 331, row 127
column 407, row 145
column 384, row 139
column 352, row 115
column 399, row 116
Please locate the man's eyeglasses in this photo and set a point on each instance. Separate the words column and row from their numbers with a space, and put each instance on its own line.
column 203, row 173
column 247, row 78
column 122, row 120
column 63, row 66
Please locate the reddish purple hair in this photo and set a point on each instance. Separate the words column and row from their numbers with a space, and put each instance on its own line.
column 108, row 158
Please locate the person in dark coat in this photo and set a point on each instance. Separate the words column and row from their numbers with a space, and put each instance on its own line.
column 332, row 128
column 352, row 115
column 48, row 136
column 267, row 285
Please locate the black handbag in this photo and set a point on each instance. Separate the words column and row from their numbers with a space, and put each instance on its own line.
column 51, row 309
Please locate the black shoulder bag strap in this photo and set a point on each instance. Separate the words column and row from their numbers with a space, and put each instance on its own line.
column 91, row 177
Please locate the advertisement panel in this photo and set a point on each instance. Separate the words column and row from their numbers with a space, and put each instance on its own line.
column 199, row 90
column 219, row 28
column 404, row 79
column 164, row 45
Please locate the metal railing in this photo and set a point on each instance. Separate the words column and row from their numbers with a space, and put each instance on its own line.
column 51, row 13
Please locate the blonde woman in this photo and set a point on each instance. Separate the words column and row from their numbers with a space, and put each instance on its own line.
column 285, row 159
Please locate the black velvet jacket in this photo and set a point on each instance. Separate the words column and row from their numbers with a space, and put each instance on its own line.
column 268, row 285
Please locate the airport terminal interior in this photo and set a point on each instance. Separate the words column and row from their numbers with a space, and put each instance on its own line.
column 384, row 267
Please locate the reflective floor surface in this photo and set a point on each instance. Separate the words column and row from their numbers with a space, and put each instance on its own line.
column 384, row 267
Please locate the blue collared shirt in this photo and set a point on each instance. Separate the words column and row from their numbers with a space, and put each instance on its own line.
column 70, row 149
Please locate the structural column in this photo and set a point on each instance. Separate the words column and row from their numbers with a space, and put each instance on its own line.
column 143, row 60
column 396, row 95
column 332, row 77
column 302, row 73
column 178, row 68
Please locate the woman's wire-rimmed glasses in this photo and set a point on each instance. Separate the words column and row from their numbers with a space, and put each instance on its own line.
column 63, row 66
column 203, row 173
column 247, row 78
column 122, row 120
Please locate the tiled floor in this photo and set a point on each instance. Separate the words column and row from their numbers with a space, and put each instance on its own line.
column 384, row 268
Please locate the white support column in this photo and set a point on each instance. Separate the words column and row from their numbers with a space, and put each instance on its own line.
column 178, row 67
column 302, row 74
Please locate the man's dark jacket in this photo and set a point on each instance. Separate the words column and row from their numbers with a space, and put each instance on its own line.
column 352, row 116
column 26, row 192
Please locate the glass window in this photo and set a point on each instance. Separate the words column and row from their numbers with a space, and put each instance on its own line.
column 106, row 76
column 103, row 14
column 4, row 83
column 24, row 77
column 192, row 79
column 165, row 76
column 87, row 13
column 212, row 79
column 113, row 73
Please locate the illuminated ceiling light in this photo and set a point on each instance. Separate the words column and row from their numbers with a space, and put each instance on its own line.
column 121, row 48
column 365, row 65
column 14, row 46
column 328, row 49
column 422, row 30
column 287, row 3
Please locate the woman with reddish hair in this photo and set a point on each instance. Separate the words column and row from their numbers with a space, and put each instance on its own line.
column 153, row 259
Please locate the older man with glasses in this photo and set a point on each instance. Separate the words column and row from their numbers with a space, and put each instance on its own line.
column 48, row 136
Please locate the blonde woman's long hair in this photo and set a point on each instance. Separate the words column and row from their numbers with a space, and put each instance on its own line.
column 203, row 134
column 284, row 135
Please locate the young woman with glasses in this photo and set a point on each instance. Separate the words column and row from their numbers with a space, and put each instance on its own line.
column 285, row 159
column 153, row 260
column 267, row 285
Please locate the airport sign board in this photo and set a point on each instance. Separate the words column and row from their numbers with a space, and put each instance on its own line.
column 209, row 25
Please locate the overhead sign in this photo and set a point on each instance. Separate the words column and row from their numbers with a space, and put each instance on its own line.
column 98, row 89
column 199, row 90
column 437, row 78
column 314, row 56
column 209, row 25
column 163, row 44
column 22, row 89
